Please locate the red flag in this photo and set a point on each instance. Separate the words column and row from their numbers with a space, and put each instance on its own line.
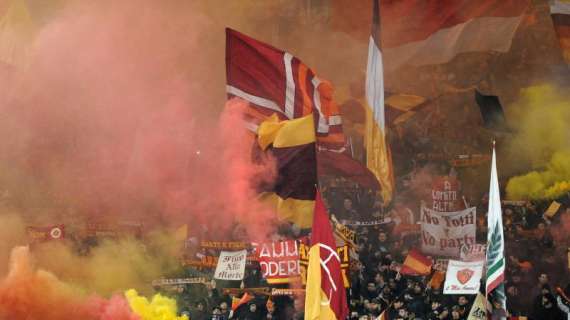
column 325, row 295
column 275, row 82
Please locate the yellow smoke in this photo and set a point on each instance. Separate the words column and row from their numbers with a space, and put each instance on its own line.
column 543, row 140
column 112, row 266
column 158, row 308
column 547, row 184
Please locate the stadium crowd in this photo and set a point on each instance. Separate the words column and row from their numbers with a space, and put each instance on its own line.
column 536, row 274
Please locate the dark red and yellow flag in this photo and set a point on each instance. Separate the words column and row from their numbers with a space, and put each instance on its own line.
column 325, row 297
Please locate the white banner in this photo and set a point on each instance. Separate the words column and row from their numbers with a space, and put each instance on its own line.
column 472, row 252
column 231, row 265
column 443, row 233
column 463, row 277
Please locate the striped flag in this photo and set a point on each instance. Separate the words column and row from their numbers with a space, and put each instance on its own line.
column 280, row 90
column 416, row 264
column 378, row 157
column 325, row 297
column 424, row 32
column 495, row 241
column 274, row 81
column 560, row 12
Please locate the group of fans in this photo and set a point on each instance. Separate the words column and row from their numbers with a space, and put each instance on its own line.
column 535, row 281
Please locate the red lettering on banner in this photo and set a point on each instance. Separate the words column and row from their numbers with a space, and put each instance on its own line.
column 279, row 261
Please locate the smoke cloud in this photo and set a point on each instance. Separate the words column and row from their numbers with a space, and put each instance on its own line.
column 118, row 116
column 27, row 293
column 542, row 140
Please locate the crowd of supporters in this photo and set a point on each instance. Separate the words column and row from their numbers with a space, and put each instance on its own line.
column 535, row 281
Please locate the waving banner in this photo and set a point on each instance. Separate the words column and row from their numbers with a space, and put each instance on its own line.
column 443, row 233
column 463, row 277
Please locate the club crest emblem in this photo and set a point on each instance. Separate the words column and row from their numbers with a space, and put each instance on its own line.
column 464, row 275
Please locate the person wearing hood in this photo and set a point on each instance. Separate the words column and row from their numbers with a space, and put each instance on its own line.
column 547, row 309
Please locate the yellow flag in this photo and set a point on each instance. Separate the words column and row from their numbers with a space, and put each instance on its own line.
column 552, row 209
column 317, row 306
column 478, row 311
column 378, row 158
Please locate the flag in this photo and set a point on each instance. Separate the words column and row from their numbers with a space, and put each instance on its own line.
column 341, row 164
column 325, row 297
column 402, row 107
column 491, row 111
column 435, row 31
column 478, row 309
column 16, row 34
column 280, row 88
column 552, row 209
column 378, row 157
column 463, row 277
column 495, row 241
column 416, row 264
column 237, row 302
column 560, row 13
column 275, row 82
column 437, row 279
column 292, row 145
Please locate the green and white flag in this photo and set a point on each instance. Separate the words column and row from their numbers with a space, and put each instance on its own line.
column 495, row 242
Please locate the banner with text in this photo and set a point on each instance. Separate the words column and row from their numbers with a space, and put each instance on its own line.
column 279, row 261
column 472, row 252
column 445, row 194
column 41, row 234
column 463, row 277
column 443, row 233
column 231, row 265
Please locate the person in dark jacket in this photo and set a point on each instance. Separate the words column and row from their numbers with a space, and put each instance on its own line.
column 546, row 309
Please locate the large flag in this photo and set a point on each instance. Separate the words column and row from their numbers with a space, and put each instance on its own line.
column 378, row 157
column 435, row 31
column 560, row 12
column 292, row 145
column 325, row 297
column 275, row 82
column 280, row 90
column 495, row 241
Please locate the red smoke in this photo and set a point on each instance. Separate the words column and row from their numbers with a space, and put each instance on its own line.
column 35, row 294
column 114, row 118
